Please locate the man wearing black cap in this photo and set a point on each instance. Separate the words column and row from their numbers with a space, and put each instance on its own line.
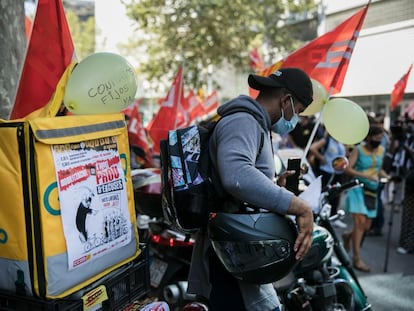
column 241, row 152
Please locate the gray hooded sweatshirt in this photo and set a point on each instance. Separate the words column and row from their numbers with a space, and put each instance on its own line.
column 247, row 175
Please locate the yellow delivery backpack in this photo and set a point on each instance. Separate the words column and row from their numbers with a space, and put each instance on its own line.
column 67, row 216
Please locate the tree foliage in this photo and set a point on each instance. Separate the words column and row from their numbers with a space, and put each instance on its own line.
column 83, row 34
column 206, row 34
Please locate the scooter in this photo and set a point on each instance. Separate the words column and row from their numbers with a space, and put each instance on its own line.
column 169, row 250
column 324, row 280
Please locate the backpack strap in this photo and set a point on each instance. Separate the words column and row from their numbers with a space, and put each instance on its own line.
column 261, row 145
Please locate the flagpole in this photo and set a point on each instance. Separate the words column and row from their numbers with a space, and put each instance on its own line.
column 315, row 128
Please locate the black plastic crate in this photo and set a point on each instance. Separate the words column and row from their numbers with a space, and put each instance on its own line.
column 12, row 302
column 129, row 286
column 123, row 286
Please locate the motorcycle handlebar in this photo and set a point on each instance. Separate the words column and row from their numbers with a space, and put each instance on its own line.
column 338, row 188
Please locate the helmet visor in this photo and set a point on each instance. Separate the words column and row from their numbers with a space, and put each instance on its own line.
column 239, row 257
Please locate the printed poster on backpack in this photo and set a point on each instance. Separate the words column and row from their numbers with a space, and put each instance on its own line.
column 93, row 199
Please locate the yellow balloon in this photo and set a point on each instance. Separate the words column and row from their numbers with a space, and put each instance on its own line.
column 319, row 99
column 345, row 121
column 100, row 83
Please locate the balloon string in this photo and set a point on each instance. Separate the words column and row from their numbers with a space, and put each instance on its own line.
column 315, row 128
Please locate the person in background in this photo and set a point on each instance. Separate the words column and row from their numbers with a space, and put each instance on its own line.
column 386, row 139
column 399, row 158
column 379, row 220
column 365, row 164
column 300, row 135
column 325, row 150
column 247, row 176
column 406, row 241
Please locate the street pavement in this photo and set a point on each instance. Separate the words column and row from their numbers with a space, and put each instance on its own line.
column 389, row 286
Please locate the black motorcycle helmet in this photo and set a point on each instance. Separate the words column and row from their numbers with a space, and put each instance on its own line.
column 255, row 247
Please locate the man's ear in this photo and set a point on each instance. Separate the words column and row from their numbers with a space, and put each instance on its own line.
column 285, row 100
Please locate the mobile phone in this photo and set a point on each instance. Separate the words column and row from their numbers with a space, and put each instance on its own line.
column 292, row 181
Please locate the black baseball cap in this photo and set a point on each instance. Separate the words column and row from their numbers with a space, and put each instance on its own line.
column 293, row 79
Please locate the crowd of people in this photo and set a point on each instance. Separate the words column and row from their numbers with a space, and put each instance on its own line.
column 247, row 177
column 383, row 162
column 400, row 166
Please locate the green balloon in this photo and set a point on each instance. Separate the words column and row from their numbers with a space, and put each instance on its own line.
column 101, row 83
column 345, row 121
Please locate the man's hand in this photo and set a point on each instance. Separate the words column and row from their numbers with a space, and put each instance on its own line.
column 304, row 222
column 281, row 179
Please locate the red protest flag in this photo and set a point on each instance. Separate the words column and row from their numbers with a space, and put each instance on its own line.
column 211, row 103
column 327, row 57
column 256, row 61
column 137, row 135
column 166, row 117
column 397, row 93
column 50, row 51
column 183, row 116
column 195, row 106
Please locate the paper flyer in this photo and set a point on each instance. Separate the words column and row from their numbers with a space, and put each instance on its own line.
column 93, row 198
column 312, row 194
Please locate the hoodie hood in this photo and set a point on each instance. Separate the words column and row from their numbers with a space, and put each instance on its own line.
column 247, row 103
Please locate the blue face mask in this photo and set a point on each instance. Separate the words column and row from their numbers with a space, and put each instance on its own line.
column 283, row 126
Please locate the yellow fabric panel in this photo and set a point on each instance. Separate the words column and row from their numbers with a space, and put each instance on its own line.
column 12, row 221
column 75, row 128
column 53, row 235
column 52, row 230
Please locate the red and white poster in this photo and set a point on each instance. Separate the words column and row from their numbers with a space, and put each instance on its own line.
column 93, row 198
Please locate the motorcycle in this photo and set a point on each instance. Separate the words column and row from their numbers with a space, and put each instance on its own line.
column 170, row 250
column 324, row 280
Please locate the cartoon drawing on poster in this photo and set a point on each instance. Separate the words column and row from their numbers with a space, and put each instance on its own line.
column 84, row 209
column 93, row 199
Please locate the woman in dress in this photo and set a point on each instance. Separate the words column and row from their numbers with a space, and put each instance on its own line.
column 365, row 163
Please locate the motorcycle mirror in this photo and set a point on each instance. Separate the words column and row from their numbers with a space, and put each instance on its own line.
column 339, row 164
column 304, row 168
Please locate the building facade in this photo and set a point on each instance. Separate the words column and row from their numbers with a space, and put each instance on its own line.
column 382, row 55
